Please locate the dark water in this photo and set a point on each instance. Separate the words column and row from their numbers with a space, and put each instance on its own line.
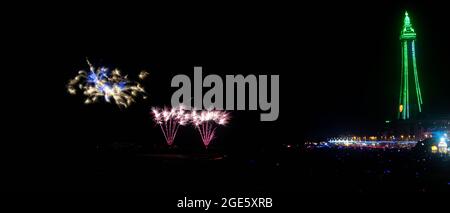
column 287, row 170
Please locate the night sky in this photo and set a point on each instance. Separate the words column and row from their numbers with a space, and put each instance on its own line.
column 339, row 67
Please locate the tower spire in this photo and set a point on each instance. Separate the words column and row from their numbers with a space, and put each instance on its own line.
column 407, row 26
column 408, row 30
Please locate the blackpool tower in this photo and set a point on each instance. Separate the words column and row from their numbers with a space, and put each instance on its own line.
column 410, row 99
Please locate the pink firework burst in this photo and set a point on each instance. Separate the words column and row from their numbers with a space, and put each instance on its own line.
column 169, row 121
column 207, row 122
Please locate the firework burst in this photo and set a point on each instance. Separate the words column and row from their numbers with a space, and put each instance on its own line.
column 207, row 122
column 170, row 121
column 108, row 84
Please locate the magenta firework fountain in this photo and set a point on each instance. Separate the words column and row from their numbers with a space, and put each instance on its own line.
column 207, row 122
column 170, row 121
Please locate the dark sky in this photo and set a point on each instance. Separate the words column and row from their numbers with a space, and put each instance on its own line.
column 339, row 64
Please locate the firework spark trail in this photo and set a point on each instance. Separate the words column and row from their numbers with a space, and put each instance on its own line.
column 207, row 122
column 106, row 83
column 170, row 121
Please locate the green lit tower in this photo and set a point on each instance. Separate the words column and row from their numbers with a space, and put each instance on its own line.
column 410, row 101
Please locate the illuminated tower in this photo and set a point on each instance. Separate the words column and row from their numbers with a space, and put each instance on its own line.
column 410, row 103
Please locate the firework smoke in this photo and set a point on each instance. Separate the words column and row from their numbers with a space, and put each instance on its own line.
column 106, row 83
column 207, row 121
column 169, row 121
